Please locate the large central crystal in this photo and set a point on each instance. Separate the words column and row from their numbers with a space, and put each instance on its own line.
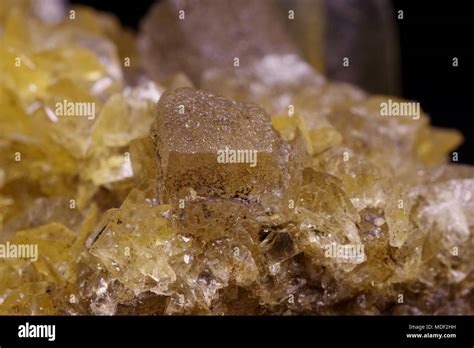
column 217, row 148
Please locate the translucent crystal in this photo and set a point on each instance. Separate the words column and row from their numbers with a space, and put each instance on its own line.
column 218, row 148
column 174, row 37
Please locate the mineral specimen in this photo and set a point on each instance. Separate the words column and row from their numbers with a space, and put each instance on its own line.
column 267, row 190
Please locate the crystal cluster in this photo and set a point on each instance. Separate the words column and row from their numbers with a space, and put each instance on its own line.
column 147, row 207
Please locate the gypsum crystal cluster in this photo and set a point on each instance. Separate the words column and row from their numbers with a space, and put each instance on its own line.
column 344, row 211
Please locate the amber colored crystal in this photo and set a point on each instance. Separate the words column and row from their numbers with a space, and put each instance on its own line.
column 217, row 148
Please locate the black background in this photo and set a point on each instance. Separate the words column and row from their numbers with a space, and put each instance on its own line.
column 291, row 331
column 431, row 34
